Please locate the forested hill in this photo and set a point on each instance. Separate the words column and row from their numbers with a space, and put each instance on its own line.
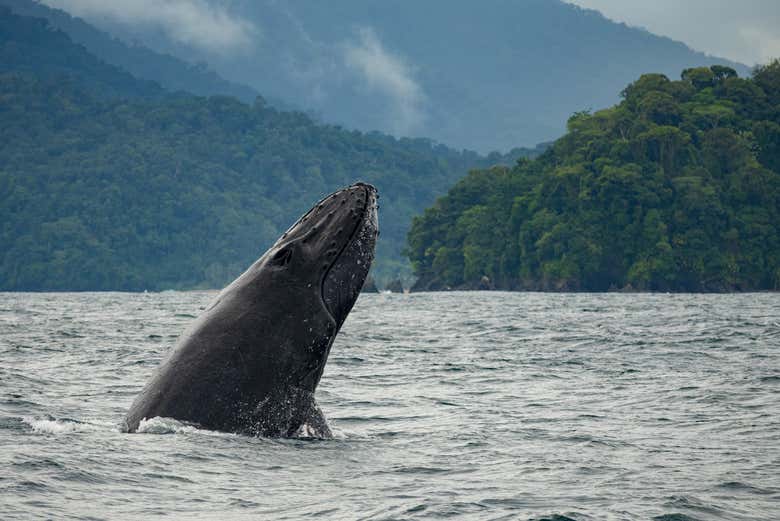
column 183, row 192
column 676, row 188
column 30, row 45
column 170, row 72
column 110, row 182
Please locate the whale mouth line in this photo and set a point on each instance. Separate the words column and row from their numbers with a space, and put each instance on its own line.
column 361, row 223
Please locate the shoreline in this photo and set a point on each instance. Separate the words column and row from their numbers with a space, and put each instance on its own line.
column 416, row 292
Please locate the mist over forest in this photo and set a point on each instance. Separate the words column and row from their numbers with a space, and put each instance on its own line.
column 477, row 75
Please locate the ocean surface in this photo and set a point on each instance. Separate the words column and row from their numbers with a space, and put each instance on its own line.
column 451, row 405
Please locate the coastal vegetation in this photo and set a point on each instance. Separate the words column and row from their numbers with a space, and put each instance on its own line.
column 676, row 188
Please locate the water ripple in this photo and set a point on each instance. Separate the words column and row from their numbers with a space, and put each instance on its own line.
column 527, row 406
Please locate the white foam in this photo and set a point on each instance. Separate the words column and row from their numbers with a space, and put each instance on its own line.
column 55, row 426
column 307, row 431
column 161, row 425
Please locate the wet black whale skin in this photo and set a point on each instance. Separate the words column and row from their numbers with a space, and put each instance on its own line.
column 251, row 362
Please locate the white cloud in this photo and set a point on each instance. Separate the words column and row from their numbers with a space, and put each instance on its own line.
column 747, row 31
column 193, row 22
column 388, row 74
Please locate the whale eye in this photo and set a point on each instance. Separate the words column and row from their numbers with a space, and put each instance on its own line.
column 282, row 257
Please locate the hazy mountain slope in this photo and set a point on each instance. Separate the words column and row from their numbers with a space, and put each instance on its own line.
column 481, row 75
column 31, row 45
column 170, row 72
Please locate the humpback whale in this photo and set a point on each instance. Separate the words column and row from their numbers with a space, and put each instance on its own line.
column 250, row 363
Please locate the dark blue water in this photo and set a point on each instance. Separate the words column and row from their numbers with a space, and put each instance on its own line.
column 459, row 405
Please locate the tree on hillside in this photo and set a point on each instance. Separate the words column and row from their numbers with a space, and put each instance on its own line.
column 675, row 188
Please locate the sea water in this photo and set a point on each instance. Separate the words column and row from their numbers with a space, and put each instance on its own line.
column 444, row 405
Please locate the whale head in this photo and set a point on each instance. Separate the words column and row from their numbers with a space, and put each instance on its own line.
column 331, row 248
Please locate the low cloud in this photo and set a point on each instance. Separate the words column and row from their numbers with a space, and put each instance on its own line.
column 388, row 74
column 760, row 44
column 193, row 22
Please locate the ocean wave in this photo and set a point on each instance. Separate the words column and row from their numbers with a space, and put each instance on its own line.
column 161, row 425
column 51, row 425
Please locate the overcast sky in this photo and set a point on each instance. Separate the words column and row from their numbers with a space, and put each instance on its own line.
column 747, row 31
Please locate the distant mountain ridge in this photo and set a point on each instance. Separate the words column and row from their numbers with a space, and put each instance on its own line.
column 30, row 45
column 478, row 75
column 170, row 72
